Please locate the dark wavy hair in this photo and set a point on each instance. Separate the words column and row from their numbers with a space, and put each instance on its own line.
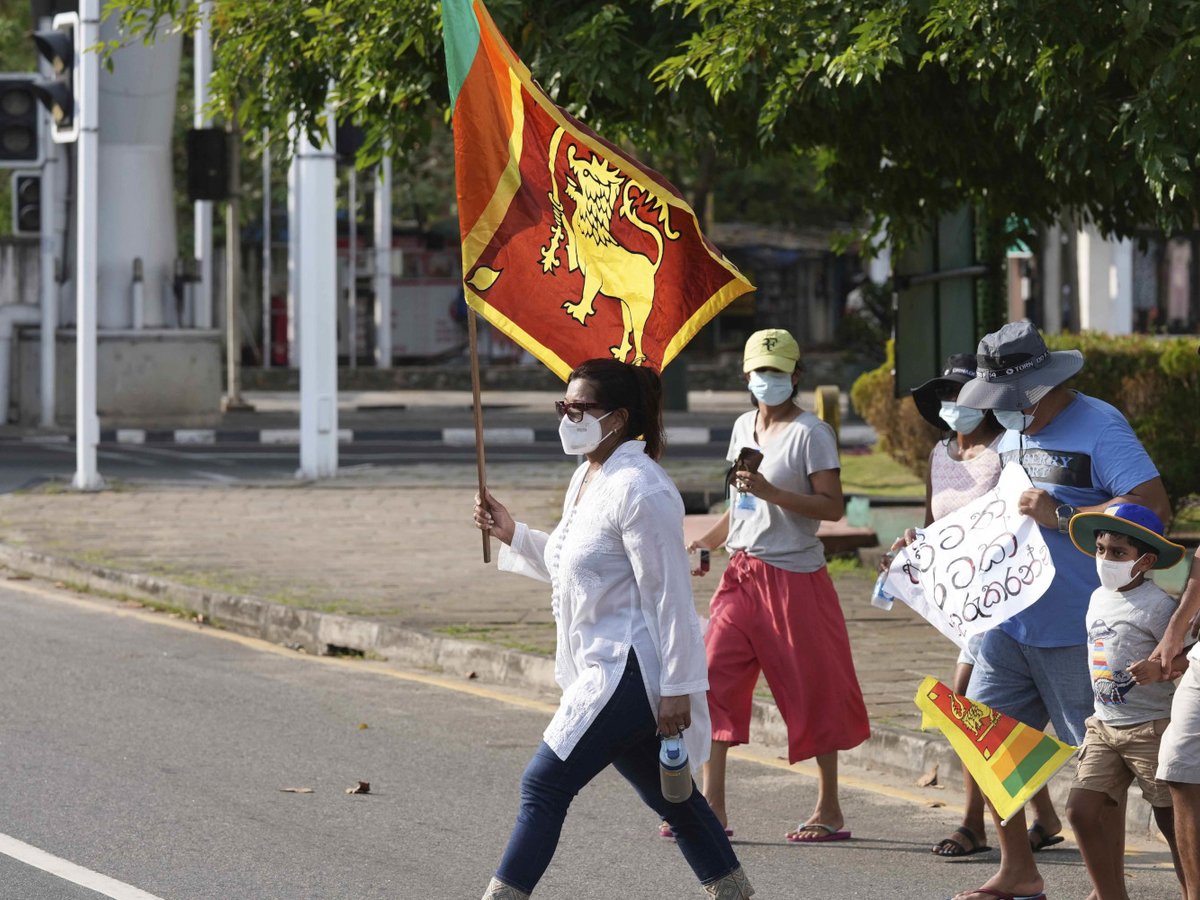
column 635, row 389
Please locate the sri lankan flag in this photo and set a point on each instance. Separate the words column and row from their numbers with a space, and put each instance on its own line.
column 569, row 246
column 1008, row 760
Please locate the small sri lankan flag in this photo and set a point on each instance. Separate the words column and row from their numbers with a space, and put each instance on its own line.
column 1009, row 761
column 569, row 246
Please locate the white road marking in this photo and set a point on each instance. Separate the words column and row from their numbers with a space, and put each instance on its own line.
column 69, row 871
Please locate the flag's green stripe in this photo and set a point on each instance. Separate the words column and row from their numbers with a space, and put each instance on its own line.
column 1028, row 767
column 460, row 35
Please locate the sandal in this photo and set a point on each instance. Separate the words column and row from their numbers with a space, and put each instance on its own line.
column 953, row 848
column 815, row 833
column 1040, row 839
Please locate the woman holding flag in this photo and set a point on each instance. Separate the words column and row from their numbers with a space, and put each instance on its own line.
column 630, row 658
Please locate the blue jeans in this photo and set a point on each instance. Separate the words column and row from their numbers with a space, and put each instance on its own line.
column 625, row 736
column 1035, row 685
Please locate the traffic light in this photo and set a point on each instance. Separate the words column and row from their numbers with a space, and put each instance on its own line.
column 207, row 164
column 27, row 203
column 347, row 139
column 60, row 94
column 19, row 119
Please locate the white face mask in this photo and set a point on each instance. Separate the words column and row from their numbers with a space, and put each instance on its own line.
column 771, row 388
column 961, row 419
column 1115, row 575
column 584, row 436
column 1015, row 419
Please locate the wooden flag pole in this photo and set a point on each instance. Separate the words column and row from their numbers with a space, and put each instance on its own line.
column 473, row 335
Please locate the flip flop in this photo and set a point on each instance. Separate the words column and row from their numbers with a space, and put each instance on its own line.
column 1005, row 895
column 1040, row 839
column 829, row 835
column 950, row 848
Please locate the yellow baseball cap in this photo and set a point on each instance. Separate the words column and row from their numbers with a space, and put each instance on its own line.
column 771, row 347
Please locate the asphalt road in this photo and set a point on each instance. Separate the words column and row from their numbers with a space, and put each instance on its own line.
column 26, row 464
column 153, row 752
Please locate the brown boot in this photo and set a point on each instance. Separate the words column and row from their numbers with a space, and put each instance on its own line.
column 734, row 886
column 498, row 890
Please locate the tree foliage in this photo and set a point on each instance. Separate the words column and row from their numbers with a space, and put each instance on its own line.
column 1022, row 107
column 385, row 63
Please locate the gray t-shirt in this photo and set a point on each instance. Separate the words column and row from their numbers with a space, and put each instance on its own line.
column 1122, row 629
column 768, row 532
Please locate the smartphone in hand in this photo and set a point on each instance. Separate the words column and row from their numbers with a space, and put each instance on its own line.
column 749, row 459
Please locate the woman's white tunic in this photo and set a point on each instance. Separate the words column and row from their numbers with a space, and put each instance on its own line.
column 619, row 576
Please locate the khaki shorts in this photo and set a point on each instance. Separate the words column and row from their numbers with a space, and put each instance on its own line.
column 1179, row 756
column 1113, row 756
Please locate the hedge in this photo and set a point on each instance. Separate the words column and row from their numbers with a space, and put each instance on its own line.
column 1155, row 382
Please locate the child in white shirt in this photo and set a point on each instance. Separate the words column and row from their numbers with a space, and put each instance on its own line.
column 1126, row 618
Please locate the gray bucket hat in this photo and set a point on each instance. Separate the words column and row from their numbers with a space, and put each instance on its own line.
column 1016, row 369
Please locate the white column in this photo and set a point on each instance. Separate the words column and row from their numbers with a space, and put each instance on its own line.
column 383, row 265
column 266, row 250
column 87, row 425
column 1052, row 280
column 203, row 211
column 1095, row 279
column 293, row 258
column 315, row 173
column 1120, row 320
column 352, row 272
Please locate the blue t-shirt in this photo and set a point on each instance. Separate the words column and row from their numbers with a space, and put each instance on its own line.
column 1086, row 456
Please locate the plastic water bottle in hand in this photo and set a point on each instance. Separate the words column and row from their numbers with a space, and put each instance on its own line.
column 880, row 598
column 674, row 774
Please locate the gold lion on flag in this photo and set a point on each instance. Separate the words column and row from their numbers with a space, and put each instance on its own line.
column 608, row 267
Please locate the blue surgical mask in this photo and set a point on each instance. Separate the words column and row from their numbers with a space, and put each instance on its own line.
column 961, row 419
column 771, row 388
column 1014, row 419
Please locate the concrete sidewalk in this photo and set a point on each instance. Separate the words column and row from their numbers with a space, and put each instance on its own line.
column 386, row 564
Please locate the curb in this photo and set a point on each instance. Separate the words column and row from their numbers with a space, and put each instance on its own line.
column 892, row 750
column 677, row 435
column 290, row 437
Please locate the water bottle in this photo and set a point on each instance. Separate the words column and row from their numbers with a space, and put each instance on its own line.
column 880, row 598
column 674, row 775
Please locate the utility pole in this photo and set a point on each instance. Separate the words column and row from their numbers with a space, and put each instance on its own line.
column 233, row 273
column 202, row 316
column 49, row 258
column 383, row 265
column 313, row 283
column 352, row 269
column 266, row 250
column 87, row 281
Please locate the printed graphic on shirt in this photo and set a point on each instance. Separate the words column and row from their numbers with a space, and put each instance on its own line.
column 1109, row 685
column 1063, row 467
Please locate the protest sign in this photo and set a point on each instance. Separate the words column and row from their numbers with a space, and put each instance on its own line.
column 975, row 568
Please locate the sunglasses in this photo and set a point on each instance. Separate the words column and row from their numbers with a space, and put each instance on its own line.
column 574, row 410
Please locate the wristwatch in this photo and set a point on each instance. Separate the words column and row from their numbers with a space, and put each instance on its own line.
column 1065, row 511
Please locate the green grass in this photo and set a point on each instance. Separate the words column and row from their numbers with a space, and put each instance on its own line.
column 877, row 474
column 843, row 565
column 1187, row 516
